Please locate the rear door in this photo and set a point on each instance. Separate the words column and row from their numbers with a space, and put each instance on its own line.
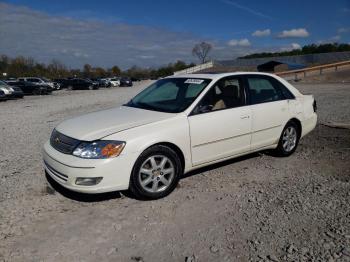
column 270, row 110
column 220, row 124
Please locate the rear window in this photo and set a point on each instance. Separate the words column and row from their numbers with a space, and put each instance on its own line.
column 262, row 90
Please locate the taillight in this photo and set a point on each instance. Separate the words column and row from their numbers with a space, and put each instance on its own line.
column 314, row 105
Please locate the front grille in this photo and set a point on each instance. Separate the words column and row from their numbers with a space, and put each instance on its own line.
column 56, row 173
column 63, row 143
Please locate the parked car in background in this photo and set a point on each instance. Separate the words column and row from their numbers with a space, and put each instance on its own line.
column 115, row 81
column 62, row 82
column 14, row 92
column 29, row 88
column 2, row 95
column 135, row 79
column 41, row 81
column 80, row 84
column 101, row 82
column 106, row 82
column 176, row 125
column 125, row 81
column 6, row 92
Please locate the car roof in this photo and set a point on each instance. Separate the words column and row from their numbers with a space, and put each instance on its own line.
column 215, row 76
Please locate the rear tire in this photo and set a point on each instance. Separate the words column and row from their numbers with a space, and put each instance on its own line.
column 289, row 140
column 156, row 173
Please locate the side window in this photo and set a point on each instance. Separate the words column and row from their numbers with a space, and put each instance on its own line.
column 285, row 91
column 226, row 93
column 262, row 90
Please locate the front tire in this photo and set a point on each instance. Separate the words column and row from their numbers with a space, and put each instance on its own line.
column 156, row 173
column 289, row 139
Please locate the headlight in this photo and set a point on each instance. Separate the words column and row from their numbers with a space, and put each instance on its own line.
column 99, row 149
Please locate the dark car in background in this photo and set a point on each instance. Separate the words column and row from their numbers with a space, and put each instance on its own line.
column 41, row 81
column 29, row 88
column 101, row 82
column 125, row 81
column 62, row 82
column 79, row 83
column 2, row 96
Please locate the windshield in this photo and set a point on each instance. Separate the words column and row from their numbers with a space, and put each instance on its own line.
column 172, row 95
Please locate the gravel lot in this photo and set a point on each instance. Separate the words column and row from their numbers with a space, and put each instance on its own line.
column 255, row 208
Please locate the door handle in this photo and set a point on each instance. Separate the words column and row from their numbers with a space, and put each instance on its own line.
column 245, row 117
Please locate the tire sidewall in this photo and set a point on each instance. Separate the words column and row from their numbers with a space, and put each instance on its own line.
column 135, row 186
column 281, row 151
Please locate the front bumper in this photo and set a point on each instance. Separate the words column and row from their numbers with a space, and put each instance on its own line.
column 64, row 169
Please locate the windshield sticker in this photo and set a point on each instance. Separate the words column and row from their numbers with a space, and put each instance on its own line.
column 194, row 81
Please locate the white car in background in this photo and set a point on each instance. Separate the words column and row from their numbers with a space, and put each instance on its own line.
column 178, row 124
column 115, row 81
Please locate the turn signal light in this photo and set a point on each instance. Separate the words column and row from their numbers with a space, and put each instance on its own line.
column 112, row 150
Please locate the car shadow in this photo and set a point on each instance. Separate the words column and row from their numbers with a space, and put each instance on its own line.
column 81, row 197
column 222, row 164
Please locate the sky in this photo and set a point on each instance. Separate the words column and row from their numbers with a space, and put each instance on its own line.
column 151, row 33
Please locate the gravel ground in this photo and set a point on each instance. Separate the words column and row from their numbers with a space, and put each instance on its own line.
column 255, row 208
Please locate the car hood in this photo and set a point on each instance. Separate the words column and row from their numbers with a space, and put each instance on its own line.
column 99, row 124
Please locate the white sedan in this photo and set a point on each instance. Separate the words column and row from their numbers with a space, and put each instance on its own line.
column 114, row 81
column 178, row 124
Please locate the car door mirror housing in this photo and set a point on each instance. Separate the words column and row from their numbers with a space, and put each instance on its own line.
column 203, row 109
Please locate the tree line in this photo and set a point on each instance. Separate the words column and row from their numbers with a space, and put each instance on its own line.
column 305, row 50
column 27, row 66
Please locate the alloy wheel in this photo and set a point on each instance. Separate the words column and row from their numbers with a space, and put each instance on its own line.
column 156, row 173
column 289, row 139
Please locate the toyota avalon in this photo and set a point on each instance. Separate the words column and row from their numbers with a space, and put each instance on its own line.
column 177, row 124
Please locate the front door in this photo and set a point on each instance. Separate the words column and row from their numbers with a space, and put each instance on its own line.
column 220, row 125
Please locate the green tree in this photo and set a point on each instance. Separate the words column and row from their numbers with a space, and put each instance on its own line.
column 115, row 70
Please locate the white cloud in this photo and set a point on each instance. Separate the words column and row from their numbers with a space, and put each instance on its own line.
column 294, row 33
column 239, row 42
column 78, row 41
column 343, row 30
column 147, row 56
column 260, row 33
column 295, row 46
column 290, row 47
column 335, row 38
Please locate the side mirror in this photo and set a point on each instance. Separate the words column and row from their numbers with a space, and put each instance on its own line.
column 203, row 109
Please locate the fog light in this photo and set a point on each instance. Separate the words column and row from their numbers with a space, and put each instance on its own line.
column 87, row 181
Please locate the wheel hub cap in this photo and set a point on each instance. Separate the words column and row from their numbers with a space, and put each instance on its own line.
column 289, row 139
column 156, row 173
